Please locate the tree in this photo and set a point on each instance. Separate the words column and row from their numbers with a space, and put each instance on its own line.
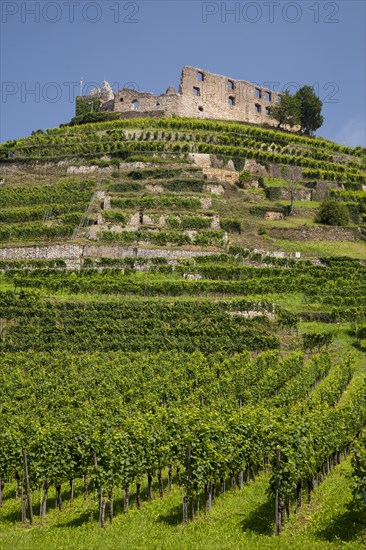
column 310, row 109
column 332, row 213
column 292, row 187
column 287, row 112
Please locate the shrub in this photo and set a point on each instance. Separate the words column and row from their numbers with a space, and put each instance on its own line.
column 273, row 193
column 245, row 177
column 114, row 216
column 332, row 213
column 103, row 116
column 231, row 226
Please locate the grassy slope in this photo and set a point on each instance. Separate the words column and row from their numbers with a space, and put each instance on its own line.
column 238, row 520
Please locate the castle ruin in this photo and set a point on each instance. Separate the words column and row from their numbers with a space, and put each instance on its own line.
column 201, row 95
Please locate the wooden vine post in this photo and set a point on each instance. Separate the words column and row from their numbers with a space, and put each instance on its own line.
column 188, row 475
column 277, row 498
column 27, row 486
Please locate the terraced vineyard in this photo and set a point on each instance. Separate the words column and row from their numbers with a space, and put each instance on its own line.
column 170, row 369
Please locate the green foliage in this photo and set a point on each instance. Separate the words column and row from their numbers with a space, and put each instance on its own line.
column 179, row 186
column 189, row 222
column 231, row 226
column 164, row 238
column 273, row 193
column 125, row 187
column 157, row 173
column 287, row 319
column 64, row 192
column 317, row 340
column 287, row 112
column 83, row 106
column 89, row 117
column 245, row 177
column 359, row 469
column 332, row 213
column 310, row 109
column 107, row 326
column 161, row 201
column 113, row 216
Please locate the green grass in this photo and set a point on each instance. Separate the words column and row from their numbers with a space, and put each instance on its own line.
column 239, row 519
column 300, row 204
column 291, row 221
column 351, row 249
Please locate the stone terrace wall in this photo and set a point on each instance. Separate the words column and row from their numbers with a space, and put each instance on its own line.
column 55, row 252
column 76, row 252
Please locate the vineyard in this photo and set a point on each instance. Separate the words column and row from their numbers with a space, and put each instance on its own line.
column 184, row 379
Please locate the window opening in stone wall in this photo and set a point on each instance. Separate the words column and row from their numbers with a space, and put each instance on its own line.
column 230, row 85
column 157, row 104
column 257, row 108
column 196, row 91
column 200, row 77
column 200, row 108
column 268, row 111
column 268, row 96
column 258, row 93
column 135, row 105
column 231, row 100
column 121, row 99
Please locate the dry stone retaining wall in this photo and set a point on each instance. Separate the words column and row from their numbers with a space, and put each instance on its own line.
column 72, row 254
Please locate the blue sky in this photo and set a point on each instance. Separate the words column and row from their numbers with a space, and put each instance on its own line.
column 47, row 46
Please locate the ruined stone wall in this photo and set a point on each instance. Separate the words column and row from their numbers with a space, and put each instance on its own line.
column 208, row 95
column 132, row 101
column 201, row 95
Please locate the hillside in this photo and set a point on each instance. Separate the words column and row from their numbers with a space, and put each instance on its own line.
column 176, row 345
column 143, row 173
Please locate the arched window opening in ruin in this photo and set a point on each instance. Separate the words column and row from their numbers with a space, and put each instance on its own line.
column 200, row 108
column 268, row 111
column 121, row 99
column 200, row 76
column 196, row 91
column 258, row 108
column 231, row 100
column 135, row 105
column 157, row 104
column 268, row 96
column 258, row 93
column 230, row 85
